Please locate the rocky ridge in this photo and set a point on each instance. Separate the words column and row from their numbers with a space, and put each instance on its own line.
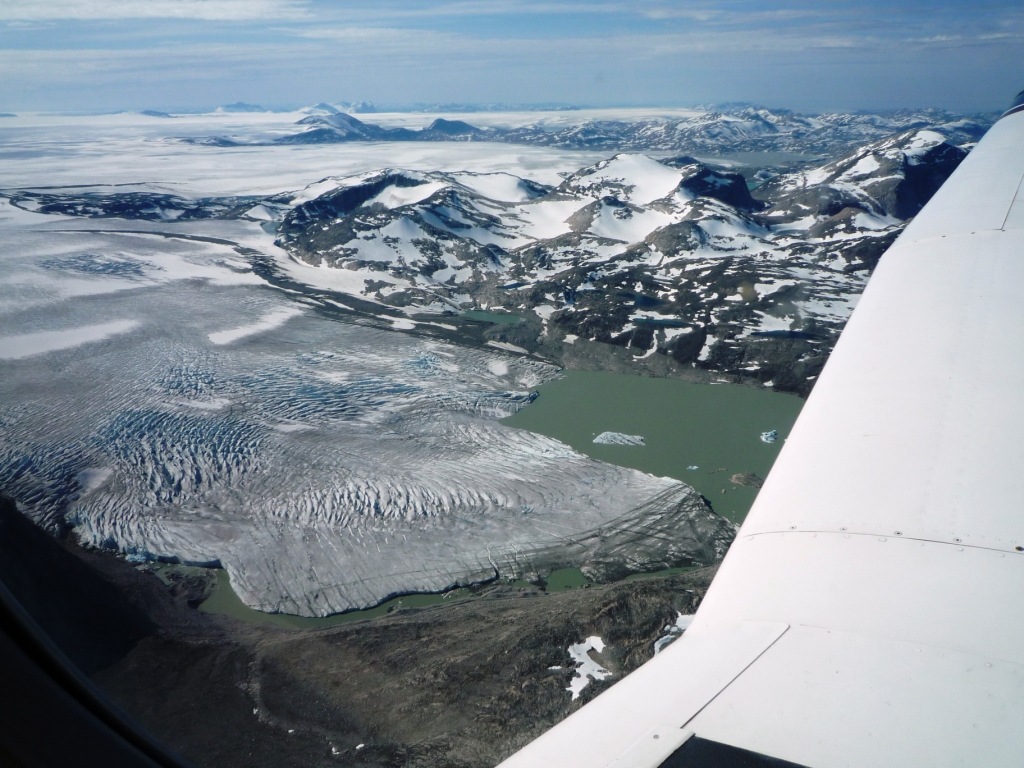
column 756, row 129
column 718, row 130
column 668, row 265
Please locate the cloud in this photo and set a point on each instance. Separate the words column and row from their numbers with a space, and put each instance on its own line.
column 416, row 55
column 294, row 51
column 383, row 11
column 206, row 10
column 242, row 10
column 415, row 47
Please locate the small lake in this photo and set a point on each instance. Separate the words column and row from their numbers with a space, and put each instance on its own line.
column 714, row 427
column 486, row 316
column 225, row 601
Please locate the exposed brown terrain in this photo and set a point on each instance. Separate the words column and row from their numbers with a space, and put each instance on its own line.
column 462, row 684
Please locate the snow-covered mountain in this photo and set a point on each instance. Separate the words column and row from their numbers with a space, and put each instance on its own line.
column 671, row 266
column 894, row 177
column 747, row 129
column 241, row 106
column 350, row 107
column 666, row 265
column 332, row 127
column 757, row 130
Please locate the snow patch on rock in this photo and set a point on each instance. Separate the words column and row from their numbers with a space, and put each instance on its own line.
column 586, row 668
column 672, row 632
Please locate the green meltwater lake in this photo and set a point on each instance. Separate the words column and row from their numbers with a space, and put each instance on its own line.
column 714, row 427
column 702, row 434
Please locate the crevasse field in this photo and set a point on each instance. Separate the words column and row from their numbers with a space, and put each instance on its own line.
column 180, row 388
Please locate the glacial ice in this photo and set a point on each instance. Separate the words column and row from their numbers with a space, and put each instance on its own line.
column 325, row 465
column 268, row 322
column 30, row 344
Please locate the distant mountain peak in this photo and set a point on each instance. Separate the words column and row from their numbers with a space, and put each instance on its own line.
column 323, row 106
column 241, row 106
column 452, row 127
column 750, row 129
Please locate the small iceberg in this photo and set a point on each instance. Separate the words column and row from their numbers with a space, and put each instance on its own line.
column 766, row 437
column 692, row 467
column 617, row 438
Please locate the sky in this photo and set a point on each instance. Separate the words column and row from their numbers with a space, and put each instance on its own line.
column 105, row 55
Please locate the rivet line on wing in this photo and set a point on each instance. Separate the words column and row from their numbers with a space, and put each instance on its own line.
column 884, row 536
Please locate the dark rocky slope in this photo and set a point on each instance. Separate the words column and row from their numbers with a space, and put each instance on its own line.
column 452, row 686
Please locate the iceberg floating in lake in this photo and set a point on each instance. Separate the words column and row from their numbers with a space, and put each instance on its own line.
column 617, row 438
column 770, row 436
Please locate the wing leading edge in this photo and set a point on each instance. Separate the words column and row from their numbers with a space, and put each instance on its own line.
column 868, row 612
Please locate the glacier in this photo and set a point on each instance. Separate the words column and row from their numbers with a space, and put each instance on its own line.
column 160, row 399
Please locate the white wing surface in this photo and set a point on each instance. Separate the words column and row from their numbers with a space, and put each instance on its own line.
column 871, row 610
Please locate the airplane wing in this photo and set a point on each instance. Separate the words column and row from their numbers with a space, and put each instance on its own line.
column 870, row 610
